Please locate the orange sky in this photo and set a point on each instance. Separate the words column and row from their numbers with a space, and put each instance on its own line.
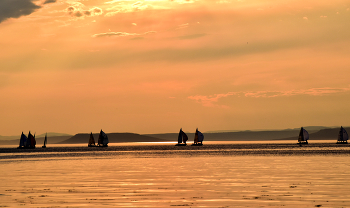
column 155, row 66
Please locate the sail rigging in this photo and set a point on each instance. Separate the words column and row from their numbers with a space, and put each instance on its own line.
column 198, row 138
column 303, row 136
column 103, row 139
column 182, row 138
column 343, row 135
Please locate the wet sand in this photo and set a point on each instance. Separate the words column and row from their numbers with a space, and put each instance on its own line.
column 215, row 175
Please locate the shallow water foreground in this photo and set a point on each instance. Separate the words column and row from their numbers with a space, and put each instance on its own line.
column 171, row 181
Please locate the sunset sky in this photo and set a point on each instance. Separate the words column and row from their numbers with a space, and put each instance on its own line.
column 155, row 66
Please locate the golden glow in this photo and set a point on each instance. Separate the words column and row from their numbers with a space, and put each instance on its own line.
column 155, row 66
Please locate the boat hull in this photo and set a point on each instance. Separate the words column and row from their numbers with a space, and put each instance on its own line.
column 199, row 144
column 342, row 142
column 180, row 144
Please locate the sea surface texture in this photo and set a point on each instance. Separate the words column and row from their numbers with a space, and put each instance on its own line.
column 241, row 175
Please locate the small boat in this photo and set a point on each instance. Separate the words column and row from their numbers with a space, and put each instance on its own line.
column 303, row 136
column 22, row 141
column 91, row 141
column 102, row 139
column 45, row 141
column 342, row 136
column 182, row 138
column 198, row 138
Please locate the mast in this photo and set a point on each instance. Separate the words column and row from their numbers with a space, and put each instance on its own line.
column 45, row 140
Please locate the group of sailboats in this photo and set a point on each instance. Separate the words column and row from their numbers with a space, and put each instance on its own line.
column 182, row 138
column 342, row 136
column 30, row 142
column 27, row 142
column 102, row 140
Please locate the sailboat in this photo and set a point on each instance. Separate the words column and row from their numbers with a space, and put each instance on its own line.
column 182, row 138
column 22, row 141
column 91, row 141
column 102, row 139
column 303, row 136
column 45, row 141
column 198, row 138
column 342, row 136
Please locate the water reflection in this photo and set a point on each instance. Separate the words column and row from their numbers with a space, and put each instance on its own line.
column 216, row 181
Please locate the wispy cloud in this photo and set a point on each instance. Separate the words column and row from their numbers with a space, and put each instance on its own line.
column 127, row 7
column 109, row 34
column 212, row 100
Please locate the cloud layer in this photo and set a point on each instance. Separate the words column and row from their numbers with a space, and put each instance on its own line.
column 212, row 100
column 18, row 8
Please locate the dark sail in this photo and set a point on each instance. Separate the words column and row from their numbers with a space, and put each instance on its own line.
column 179, row 139
column 91, row 140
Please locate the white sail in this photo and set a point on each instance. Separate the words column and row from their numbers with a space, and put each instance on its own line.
column 305, row 135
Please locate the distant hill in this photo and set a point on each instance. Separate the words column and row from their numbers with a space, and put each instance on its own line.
column 53, row 134
column 323, row 134
column 112, row 137
column 234, row 136
column 39, row 141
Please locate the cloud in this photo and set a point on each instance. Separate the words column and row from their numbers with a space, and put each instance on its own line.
column 49, row 1
column 119, row 34
column 77, row 12
column 127, row 7
column 16, row 8
column 182, row 26
column 108, row 34
column 211, row 100
column 305, row 18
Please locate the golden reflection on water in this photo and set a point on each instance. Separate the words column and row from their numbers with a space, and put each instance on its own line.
column 215, row 181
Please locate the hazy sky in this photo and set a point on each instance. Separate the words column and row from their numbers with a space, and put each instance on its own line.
column 155, row 66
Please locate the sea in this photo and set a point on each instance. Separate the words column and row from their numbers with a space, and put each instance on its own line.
column 218, row 174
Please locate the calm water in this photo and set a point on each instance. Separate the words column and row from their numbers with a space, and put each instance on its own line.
column 146, row 180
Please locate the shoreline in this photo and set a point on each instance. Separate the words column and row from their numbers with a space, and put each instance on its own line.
column 170, row 150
